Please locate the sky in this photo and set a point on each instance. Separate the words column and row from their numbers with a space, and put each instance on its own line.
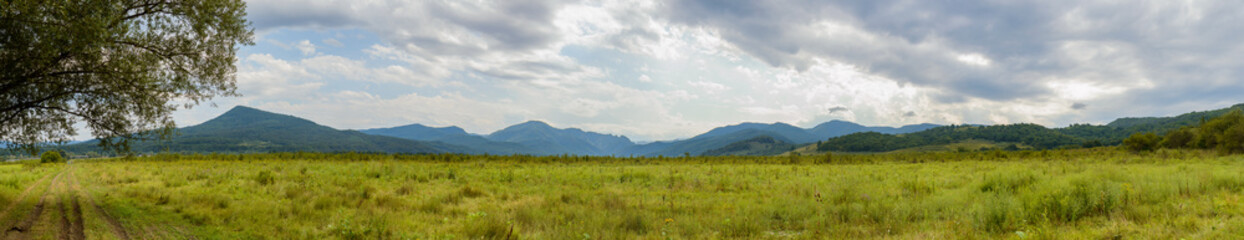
column 659, row 70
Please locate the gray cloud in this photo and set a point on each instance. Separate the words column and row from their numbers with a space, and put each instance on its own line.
column 838, row 109
column 1078, row 106
column 1028, row 43
column 909, row 114
column 266, row 15
column 519, row 25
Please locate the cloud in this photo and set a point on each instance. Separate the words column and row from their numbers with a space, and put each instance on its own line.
column 333, row 42
column 592, row 64
column 706, row 86
column 999, row 51
column 305, row 47
column 644, row 78
column 270, row 14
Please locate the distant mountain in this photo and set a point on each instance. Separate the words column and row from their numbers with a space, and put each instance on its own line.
column 700, row 144
column 545, row 139
column 1033, row 135
column 418, row 132
column 783, row 130
column 245, row 129
column 722, row 136
column 757, row 146
column 453, row 135
column 836, row 128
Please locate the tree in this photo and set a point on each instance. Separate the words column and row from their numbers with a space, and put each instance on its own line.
column 1213, row 131
column 51, row 157
column 1178, row 138
column 1232, row 140
column 1141, row 142
column 119, row 66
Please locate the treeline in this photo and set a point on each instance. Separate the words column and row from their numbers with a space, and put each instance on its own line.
column 1075, row 136
column 1224, row 133
column 824, row 158
column 1033, row 135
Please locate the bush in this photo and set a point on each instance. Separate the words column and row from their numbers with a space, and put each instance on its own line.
column 51, row 157
column 265, row 177
column 1181, row 138
column 1141, row 142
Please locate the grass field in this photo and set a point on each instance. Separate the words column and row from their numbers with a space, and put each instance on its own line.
column 1082, row 194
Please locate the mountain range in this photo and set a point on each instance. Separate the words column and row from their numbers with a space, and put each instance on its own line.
column 246, row 129
column 539, row 138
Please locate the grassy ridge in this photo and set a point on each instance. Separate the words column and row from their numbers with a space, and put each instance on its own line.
column 1098, row 193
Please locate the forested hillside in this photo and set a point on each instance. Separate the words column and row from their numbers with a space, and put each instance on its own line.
column 1032, row 135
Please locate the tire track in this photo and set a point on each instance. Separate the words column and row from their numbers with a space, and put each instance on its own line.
column 79, row 225
column 22, row 196
column 22, row 229
column 118, row 230
column 65, row 233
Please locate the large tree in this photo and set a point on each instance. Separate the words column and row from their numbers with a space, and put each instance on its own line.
column 121, row 67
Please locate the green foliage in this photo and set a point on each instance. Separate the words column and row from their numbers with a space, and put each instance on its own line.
column 1224, row 133
column 122, row 67
column 1028, row 134
column 1182, row 138
column 758, row 146
column 1076, row 135
column 264, row 177
column 51, row 157
column 1142, row 142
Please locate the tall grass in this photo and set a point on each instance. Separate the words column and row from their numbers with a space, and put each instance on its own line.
column 1098, row 193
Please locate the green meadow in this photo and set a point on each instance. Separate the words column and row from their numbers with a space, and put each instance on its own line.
column 1068, row 194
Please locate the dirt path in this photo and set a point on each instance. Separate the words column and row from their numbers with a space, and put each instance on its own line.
column 58, row 211
column 79, row 226
column 22, row 229
column 118, row 230
column 20, row 197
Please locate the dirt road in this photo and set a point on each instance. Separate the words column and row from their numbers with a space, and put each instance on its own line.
column 54, row 210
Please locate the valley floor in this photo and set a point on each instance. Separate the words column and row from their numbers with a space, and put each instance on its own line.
column 1080, row 194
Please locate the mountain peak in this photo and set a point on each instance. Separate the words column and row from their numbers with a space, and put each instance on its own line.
column 537, row 134
column 243, row 115
column 239, row 109
column 534, row 123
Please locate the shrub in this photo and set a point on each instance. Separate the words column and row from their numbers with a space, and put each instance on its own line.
column 264, row 177
column 635, row 223
column 1178, row 138
column 1070, row 202
column 1141, row 142
column 51, row 157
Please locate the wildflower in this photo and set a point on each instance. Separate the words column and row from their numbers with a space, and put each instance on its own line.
column 669, row 220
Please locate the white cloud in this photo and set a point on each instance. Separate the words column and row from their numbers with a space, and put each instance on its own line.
column 974, row 59
column 333, row 42
column 709, row 87
column 263, row 76
column 305, row 47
